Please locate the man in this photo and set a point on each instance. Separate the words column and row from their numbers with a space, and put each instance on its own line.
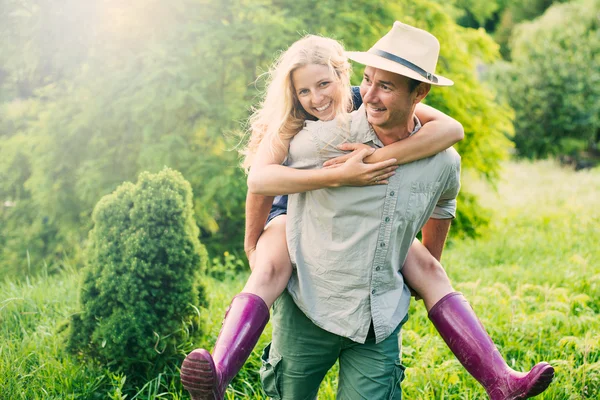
column 347, row 299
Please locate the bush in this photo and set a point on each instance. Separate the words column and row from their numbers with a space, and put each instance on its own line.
column 553, row 83
column 142, row 282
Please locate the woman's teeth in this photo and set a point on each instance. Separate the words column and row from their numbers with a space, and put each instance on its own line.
column 325, row 107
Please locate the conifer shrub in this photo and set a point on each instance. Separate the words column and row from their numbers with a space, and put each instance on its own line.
column 142, row 281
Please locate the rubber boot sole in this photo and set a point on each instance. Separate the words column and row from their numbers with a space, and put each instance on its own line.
column 199, row 376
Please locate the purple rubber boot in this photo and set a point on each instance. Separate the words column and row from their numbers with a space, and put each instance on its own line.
column 206, row 376
column 464, row 334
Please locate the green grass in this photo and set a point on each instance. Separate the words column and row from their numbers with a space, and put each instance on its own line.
column 533, row 277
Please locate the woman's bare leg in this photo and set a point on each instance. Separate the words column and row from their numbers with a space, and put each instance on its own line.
column 425, row 275
column 272, row 266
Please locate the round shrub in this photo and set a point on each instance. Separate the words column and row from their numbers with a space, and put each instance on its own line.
column 142, row 279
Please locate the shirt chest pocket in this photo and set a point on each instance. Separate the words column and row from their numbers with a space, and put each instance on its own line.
column 421, row 196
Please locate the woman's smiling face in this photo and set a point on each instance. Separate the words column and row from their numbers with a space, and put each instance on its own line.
column 317, row 90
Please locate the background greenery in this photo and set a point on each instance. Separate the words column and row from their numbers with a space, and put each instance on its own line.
column 93, row 93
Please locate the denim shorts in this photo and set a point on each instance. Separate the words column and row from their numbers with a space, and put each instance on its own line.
column 278, row 208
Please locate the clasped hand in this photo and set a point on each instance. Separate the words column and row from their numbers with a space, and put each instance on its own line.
column 355, row 172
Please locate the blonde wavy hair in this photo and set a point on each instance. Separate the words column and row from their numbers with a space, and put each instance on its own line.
column 280, row 116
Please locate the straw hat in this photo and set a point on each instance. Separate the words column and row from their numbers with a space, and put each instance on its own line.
column 405, row 50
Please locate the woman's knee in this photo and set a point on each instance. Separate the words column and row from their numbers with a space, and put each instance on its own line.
column 270, row 270
column 432, row 270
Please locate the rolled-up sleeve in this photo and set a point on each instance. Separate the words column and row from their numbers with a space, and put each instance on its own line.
column 446, row 205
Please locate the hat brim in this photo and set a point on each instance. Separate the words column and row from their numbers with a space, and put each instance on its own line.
column 376, row 61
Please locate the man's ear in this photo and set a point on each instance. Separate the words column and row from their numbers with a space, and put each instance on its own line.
column 421, row 91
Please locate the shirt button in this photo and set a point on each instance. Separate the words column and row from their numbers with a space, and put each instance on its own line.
column 377, row 268
column 382, row 244
column 373, row 291
column 387, row 219
column 392, row 193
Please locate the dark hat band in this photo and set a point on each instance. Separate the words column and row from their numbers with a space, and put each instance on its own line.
column 406, row 63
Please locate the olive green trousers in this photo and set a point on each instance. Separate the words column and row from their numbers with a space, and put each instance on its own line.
column 301, row 353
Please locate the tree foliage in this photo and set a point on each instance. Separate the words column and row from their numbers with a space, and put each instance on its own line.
column 142, row 280
column 514, row 13
column 93, row 93
column 160, row 84
column 475, row 13
column 499, row 17
column 553, row 83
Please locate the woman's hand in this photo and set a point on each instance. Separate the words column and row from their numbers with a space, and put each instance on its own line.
column 354, row 148
column 354, row 172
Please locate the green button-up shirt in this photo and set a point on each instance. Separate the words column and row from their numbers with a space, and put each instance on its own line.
column 348, row 244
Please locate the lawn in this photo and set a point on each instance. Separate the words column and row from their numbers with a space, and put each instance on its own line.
column 533, row 277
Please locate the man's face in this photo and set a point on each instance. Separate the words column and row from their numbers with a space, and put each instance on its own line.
column 387, row 98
